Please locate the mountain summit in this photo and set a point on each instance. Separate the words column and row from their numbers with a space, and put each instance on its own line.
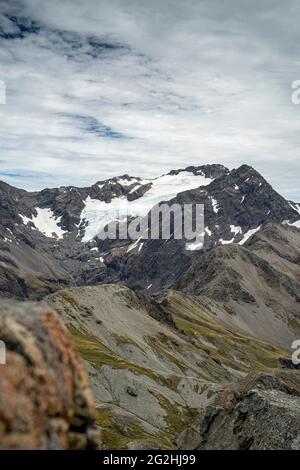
column 197, row 334
column 48, row 239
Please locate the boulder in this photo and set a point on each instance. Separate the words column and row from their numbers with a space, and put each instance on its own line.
column 45, row 398
column 262, row 413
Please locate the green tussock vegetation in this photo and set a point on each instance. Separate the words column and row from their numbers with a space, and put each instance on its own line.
column 120, row 339
column 124, row 340
column 67, row 298
column 201, row 347
column 168, row 356
column 237, row 351
column 118, row 435
column 97, row 354
column 176, row 416
column 295, row 324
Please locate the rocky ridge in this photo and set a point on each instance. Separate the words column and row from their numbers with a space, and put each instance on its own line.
column 48, row 238
column 202, row 336
column 254, row 287
column 261, row 412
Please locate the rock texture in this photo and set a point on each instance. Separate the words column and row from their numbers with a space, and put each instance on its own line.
column 45, row 398
column 168, row 335
column 236, row 203
column 262, row 412
column 254, row 287
column 33, row 264
column 155, row 365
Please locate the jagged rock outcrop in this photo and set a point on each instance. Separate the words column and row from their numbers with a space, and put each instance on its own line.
column 262, row 412
column 45, row 397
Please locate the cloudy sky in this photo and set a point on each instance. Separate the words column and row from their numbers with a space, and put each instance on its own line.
column 99, row 88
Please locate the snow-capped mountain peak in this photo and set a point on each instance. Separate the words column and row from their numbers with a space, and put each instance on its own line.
column 98, row 213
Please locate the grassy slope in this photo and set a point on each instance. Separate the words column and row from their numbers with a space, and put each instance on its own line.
column 201, row 347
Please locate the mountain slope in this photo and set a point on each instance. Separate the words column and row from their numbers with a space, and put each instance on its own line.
column 47, row 238
column 41, row 233
column 253, row 287
column 236, row 206
column 170, row 355
column 197, row 322
column 262, row 412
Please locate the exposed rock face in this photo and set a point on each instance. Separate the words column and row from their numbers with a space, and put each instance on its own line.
column 45, row 398
column 158, row 368
column 160, row 362
column 253, row 287
column 37, row 262
column 262, row 413
column 155, row 364
column 236, row 203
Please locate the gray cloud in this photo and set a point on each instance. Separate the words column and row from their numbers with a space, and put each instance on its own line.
column 100, row 88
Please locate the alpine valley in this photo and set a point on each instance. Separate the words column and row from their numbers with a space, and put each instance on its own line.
column 183, row 348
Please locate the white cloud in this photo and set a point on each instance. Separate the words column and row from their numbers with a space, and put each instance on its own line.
column 101, row 88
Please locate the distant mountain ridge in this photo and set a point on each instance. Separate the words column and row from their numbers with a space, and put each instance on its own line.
column 48, row 238
column 203, row 337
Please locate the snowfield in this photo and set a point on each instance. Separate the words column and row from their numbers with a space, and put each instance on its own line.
column 97, row 214
column 46, row 223
column 249, row 234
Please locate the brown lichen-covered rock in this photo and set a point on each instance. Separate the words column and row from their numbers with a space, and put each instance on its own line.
column 45, row 398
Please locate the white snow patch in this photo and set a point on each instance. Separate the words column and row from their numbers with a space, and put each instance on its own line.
column 226, row 242
column 46, row 222
column 25, row 219
column 135, row 187
column 292, row 224
column 209, row 233
column 134, row 245
column 194, row 246
column 295, row 207
column 99, row 213
column 129, row 182
column 236, row 229
column 95, row 248
column 249, row 234
column 215, row 205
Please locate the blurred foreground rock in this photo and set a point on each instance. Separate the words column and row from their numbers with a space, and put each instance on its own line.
column 45, row 398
